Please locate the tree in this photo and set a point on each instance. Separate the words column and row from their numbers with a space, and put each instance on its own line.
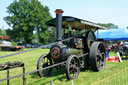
column 3, row 32
column 109, row 25
column 0, row 32
column 27, row 18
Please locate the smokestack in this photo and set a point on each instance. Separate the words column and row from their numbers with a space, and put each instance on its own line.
column 59, row 24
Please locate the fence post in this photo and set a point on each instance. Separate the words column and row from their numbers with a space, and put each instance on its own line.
column 24, row 79
column 8, row 83
column 51, row 82
column 72, row 82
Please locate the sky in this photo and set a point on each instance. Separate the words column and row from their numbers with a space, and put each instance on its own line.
column 98, row 11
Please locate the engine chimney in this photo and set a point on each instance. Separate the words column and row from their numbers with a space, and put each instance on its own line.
column 58, row 24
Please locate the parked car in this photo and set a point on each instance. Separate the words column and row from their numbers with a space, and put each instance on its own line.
column 32, row 45
column 26, row 45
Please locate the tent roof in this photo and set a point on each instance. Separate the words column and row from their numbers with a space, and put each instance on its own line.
column 113, row 34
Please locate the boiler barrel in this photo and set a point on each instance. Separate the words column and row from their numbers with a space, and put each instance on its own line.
column 62, row 53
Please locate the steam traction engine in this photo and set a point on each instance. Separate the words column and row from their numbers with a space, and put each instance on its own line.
column 78, row 47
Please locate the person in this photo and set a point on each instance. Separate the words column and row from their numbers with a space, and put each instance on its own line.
column 107, row 48
column 107, row 52
column 121, row 50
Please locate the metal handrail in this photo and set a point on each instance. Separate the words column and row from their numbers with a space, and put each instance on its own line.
column 35, row 48
column 33, row 71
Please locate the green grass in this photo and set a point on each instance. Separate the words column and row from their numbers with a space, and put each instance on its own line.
column 113, row 53
column 112, row 75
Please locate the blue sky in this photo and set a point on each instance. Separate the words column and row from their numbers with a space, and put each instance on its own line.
column 98, row 11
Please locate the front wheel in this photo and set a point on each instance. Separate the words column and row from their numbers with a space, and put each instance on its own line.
column 44, row 61
column 72, row 67
column 97, row 56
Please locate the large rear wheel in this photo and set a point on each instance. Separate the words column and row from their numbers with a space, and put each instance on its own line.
column 97, row 56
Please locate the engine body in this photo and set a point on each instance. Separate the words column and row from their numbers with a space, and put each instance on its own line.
column 61, row 52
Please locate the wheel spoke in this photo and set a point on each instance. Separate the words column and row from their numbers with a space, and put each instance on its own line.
column 71, row 70
column 99, row 48
column 73, row 61
column 98, row 58
column 98, row 64
column 101, row 63
column 71, row 66
column 98, row 52
column 102, row 53
column 76, row 69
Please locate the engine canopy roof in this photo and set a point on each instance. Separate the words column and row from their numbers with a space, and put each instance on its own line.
column 75, row 23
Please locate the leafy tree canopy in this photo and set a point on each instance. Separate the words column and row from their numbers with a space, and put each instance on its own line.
column 3, row 32
column 27, row 19
column 109, row 25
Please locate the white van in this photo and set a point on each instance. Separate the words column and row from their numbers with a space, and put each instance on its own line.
column 5, row 43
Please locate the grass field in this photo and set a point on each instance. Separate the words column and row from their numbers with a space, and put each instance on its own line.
column 114, row 73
